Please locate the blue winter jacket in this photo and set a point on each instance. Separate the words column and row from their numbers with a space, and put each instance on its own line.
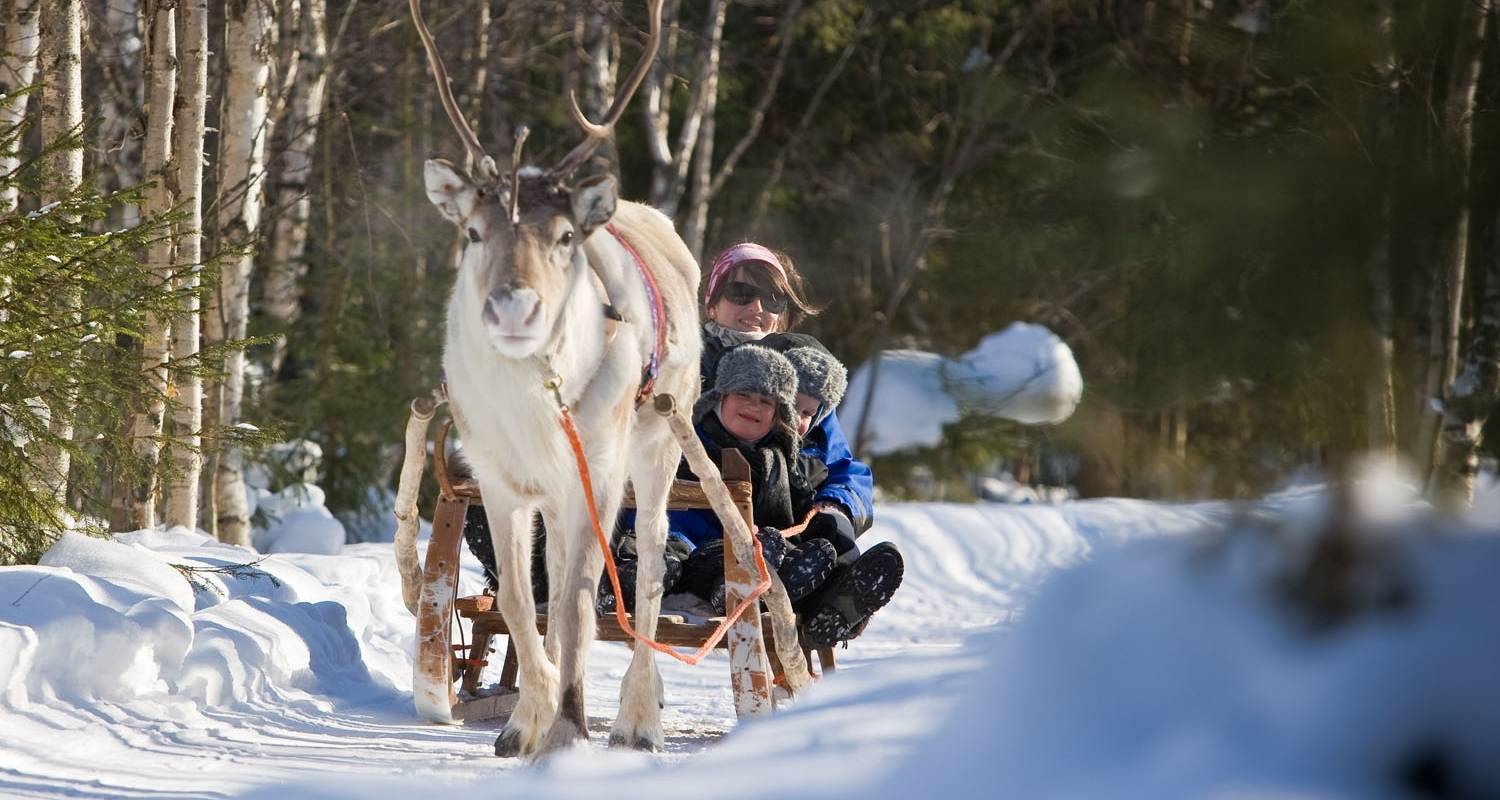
column 850, row 483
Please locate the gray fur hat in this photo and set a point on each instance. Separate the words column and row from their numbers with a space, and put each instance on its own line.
column 821, row 376
column 753, row 369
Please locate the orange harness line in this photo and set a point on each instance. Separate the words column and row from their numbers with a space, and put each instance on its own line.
column 614, row 576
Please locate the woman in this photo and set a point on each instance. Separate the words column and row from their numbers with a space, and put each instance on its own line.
column 752, row 293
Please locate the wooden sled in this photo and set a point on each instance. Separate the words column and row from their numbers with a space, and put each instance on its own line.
column 447, row 677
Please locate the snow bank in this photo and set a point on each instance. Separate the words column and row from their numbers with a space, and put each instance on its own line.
column 1094, row 648
column 911, row 404
column 1179, row 669
column 1023, row 373
column 298, row 522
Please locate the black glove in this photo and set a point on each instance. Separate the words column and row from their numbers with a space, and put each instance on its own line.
column 832, row 525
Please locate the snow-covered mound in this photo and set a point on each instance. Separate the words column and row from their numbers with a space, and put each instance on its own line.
column 1023, row 373
column 1085, row 649
column 298, row 521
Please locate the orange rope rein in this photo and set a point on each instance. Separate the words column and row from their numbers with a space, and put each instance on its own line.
column 614, row 576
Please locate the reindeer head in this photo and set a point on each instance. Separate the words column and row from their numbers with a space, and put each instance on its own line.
column 526, row 229
column 524, row 246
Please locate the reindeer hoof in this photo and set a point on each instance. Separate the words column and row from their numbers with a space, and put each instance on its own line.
column 509, row 744
column 564, row 735
column 620, row 740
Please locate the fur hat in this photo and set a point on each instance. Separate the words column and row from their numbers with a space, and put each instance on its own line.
column 821, row 376
column 753, row 369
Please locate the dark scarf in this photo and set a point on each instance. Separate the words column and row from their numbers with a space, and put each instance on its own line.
column 781, row 494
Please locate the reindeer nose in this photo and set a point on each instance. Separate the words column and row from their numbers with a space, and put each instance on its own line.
column 514, row 312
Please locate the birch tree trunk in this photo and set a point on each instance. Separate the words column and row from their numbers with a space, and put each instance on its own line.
column 18, row 57
column 1458, row 136
column 657, row 108
column 1471, row 398
column 118, row 158
column 700, row 108
column 670, row 168
column 598, row 54
column 785, row 34
column 189, row 110
column 287, row 265
column 61, row 29
column 250, row 40
column 146, row 421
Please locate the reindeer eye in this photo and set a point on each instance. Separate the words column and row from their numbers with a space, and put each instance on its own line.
column 566, row 238
column 473, row 235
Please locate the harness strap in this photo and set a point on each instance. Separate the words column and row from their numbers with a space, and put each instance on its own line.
column 658, row 316
column 565, row 418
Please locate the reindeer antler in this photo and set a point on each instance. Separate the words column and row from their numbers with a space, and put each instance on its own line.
column 482, row 160
column 597, row 134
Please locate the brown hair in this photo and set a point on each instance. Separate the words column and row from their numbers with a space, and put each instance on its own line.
column 798, row 307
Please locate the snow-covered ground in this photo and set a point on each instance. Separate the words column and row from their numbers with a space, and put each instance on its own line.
column 1154, row 664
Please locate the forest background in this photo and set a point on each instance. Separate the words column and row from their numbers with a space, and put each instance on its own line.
column 1267, row 229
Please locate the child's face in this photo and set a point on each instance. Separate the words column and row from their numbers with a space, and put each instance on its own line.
column 807, row 411
column 747, row 416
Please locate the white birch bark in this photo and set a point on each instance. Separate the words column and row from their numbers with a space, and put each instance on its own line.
column 705, row 89
column 187, row 153
column 1458, row 136
column 300, row 128
column 1472, row 397
column 250, row 40
column 117, row 53
column 18, row 57
column 657, row 91
column 146, row 422
column 597, row 48
column 61, row 67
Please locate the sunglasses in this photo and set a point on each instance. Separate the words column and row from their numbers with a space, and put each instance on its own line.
column 741, row 293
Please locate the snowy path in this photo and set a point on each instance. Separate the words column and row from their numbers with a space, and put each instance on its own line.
column 113, row 686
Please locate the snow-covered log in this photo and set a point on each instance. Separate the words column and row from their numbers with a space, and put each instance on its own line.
column 1023, row 373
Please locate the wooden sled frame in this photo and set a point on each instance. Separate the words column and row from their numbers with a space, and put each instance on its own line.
column 441, row 664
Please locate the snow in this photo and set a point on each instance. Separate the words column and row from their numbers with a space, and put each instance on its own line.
column 1084, row 649
column 298, row 521
column 1023, row 373
column 911, row 406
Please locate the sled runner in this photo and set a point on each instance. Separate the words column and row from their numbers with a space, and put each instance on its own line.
column 447, row 676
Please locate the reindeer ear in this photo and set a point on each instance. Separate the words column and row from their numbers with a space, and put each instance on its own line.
column 594, row 203
column 449, row 190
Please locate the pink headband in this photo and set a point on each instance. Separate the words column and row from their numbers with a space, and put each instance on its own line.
column 742, row 253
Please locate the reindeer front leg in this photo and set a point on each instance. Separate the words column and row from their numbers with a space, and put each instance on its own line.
column 653, row 463
column 510, row 530
column 571, row 616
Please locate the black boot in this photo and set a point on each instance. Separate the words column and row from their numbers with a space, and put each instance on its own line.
column 838, row 612
column 477, row 536
column 703, row 572
column 806, row 567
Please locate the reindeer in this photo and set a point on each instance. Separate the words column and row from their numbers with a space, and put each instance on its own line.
column 528, row 329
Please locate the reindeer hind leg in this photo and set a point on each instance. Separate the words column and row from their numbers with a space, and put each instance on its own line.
column 653, row 463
